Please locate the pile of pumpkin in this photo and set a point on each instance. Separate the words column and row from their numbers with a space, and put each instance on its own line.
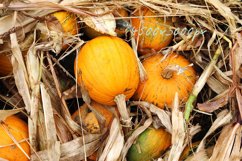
column 108, row 68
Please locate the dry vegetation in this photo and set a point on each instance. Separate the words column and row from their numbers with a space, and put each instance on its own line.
column 42, row 87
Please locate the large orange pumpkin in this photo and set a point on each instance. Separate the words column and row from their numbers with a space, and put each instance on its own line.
column 18, row 129
column 152, row 32
column 107, row 67
column 166, row 76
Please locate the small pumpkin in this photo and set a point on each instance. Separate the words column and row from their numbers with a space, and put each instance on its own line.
column 66, row 24
column 68, row 21
column 151, row 31
column 89, row 118
column 149, row 145
column 14, row 126
column 5, row 64
column 166, row 76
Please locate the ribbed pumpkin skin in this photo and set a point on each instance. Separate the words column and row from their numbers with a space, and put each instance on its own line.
column 154, row 32
column 19, row 130
column 107, row 67
column 149, row 145
column 161, row 91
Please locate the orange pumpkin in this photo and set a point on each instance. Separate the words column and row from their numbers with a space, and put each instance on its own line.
column 68, row 22
column 166, row 76
column 151, row 31
column 107, row 67
column 18, row 129
column 90, row 121
column 65, row 23
column 5, row 64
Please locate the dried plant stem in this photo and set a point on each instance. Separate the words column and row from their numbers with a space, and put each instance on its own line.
column 201, row 82
column 121, row 104
column 142, row 72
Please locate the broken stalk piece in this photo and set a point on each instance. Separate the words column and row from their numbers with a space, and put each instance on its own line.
column 200, row 83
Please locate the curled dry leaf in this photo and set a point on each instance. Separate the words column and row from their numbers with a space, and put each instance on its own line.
column 5, row 113
column 214, row 104
column 163, row 115
column 103, row 22
column 52, row 38
column 20, row 73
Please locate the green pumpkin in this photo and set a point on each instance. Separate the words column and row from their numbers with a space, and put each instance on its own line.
column 149, row 145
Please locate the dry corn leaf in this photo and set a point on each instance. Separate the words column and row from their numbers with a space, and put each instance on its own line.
column 36, row 1
column 20, row 23
column 73, row 150
column 33, row 68
column 52, row 144
column 226, row 12
column 202, row 155
column 163, row 115
column 178, row 131
column 5, row 113
column 52, row 38
column 20, row 73
column 115, row 143
column 216, row 85
column 226, row 142
column 63, row 133
column 215, row 103
column 223, row 118
column 236, row 153
column 103, row 22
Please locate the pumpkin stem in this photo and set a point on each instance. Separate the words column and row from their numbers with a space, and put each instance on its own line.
column 168, row 72
column 121, row 104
